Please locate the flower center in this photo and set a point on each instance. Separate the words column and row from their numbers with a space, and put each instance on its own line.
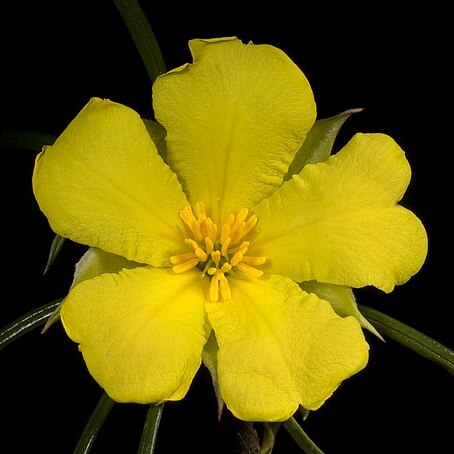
column 218, row 253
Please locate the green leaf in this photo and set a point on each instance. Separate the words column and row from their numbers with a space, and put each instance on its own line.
column 55, row 249
column 319, row 142
column 143, row 37
column 210, row 360
column 342, row 299
column 27, row 140
column 158, row 136
column 150, row 429
column 27, row 322
column 94, row 425
column 300, row 437
column 411, row 338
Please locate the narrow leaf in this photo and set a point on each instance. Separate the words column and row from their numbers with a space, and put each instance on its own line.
column 27, row 322
column 319, row 142
column 300, row 437
column 94, row 425
column 150, row 429
column 410, row 338
column 28, row 140
column 55, row 249
column 143, row 37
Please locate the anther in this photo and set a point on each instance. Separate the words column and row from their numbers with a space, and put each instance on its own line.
column 185, row 266
column 216, row 257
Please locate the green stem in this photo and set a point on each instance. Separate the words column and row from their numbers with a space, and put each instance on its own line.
column 410, row 338
column 27, row 322
column 94, row 425
column 150, row 429
column 143, row 37
column 300, row 437
column 28, row 140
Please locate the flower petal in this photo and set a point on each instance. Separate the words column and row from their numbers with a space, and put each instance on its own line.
column 338, row 222
column 141, row 331
column 234, row 119
column 103, row 184
column 280, row 347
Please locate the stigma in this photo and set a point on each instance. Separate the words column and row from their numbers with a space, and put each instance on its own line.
column 218, row 252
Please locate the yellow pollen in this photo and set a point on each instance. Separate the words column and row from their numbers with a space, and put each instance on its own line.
column 219, row 257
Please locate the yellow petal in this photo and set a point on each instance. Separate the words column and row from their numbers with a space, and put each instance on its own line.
column 141, row 332
column 339, row 222
column 234, row 119
column 280, row 347
column 103, row 184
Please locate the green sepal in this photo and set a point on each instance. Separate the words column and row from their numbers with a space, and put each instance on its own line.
column 304, row 412
column 158, row 134
column 27, row 322
column 54, row 318
column 27, row 140
column 269, row 436
column 150, row 429
column 210, row 359
column 55, row 248
column 94, row 425
column 96, row 262
column 249, row 438
column 319, row 142
column 341, row 299
column 411, row 338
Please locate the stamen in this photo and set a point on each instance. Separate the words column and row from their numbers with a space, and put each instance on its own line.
column 249, row 270
column 196, row 228
column 237, row 258
column 225, row 247
column 199, row 252
column 212, row 271
column 218, row 254
column 226, row 268
column 200, row 211
column 225, row 287
column 253, row 261
column 213, row 291
column 209, row 245
column 185, row 266
column 250, row 224
column 225, row 233
column 177, row 259
column 242, row 215
column 207, row 228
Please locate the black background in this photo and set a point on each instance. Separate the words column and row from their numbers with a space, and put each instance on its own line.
column 55, row 56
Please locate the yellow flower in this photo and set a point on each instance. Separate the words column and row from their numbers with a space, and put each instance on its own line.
column 214, row 241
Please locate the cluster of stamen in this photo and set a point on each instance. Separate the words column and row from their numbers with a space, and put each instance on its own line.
column 218, row 253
